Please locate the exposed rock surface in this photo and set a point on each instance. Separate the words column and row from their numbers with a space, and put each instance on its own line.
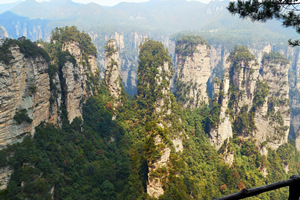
column 3, row 32
column 76, row 75
column 162, row 108
column 295, row 97
column 112, row 76
column 254, row 100
column 24, row 88
column 5, row 173
column 27, row 99
column 34, row 91
column 193, row 72
column 272, row 120
column 223, row 129
column 164, row 131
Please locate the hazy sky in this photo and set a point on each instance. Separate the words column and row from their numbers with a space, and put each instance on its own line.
column 101, row 2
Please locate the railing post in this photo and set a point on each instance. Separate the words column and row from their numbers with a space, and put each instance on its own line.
column 294, row 188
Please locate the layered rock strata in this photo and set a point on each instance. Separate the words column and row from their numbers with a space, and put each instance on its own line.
column 33, row 90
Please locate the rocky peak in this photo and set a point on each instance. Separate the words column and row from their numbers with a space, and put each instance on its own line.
column 119, row 37
column 193, row 71
column 154, row 94
column 254, row 100
column 112, row 76
column 77, row 68
column 34, row 86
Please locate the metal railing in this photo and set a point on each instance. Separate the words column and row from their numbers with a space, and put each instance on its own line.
column 294, row 190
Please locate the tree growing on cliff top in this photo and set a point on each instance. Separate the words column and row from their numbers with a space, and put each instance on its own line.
column 261, row 10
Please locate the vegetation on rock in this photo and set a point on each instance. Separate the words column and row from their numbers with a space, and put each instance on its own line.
column 22, row 116
column 186, row 45
column 27, row 48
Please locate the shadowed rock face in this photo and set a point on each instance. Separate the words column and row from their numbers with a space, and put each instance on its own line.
column 223, row 130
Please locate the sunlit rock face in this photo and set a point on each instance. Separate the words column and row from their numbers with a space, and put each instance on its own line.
column 76, row 77
column 193, row 71
column 253, row 100
column 112, row 78
column 25, row 94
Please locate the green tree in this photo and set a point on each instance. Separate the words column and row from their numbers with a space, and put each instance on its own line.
column 286, row 11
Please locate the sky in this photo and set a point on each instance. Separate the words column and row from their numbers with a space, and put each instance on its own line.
column 101, row 2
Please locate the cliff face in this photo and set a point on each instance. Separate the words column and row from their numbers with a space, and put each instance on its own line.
column 221, row 129
column 294, row 81
column 76, row 79
column 272, row 119
column 25, row 94
column 3, row 33
column 33, row 91
column 193, row 71
column 24, row 100
column 33, row 88
column 162, row 108
column 112, row 78
column 253, row 100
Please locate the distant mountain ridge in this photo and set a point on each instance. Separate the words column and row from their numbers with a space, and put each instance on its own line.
column 17, row 26
column 47, row 9
column 168, row 16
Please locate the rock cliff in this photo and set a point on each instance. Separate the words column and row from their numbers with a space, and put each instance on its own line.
column 221, row 128
column 193, row 71
column 112, row 78
column 294, row 81
column 36, row 87
column 272, row 119
column 253, row 100
column 76, row 84
column 33, row 90
column 25, row 94
column 24, row 100
column 163, row 129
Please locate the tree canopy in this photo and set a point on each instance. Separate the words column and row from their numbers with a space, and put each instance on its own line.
column 261, row 10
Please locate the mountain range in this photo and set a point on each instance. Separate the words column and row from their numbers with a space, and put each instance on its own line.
column 168, row 17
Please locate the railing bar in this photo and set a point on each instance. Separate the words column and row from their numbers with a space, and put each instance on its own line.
column 258, row 190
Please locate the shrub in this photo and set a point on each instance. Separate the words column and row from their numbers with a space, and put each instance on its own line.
column 21, row 116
